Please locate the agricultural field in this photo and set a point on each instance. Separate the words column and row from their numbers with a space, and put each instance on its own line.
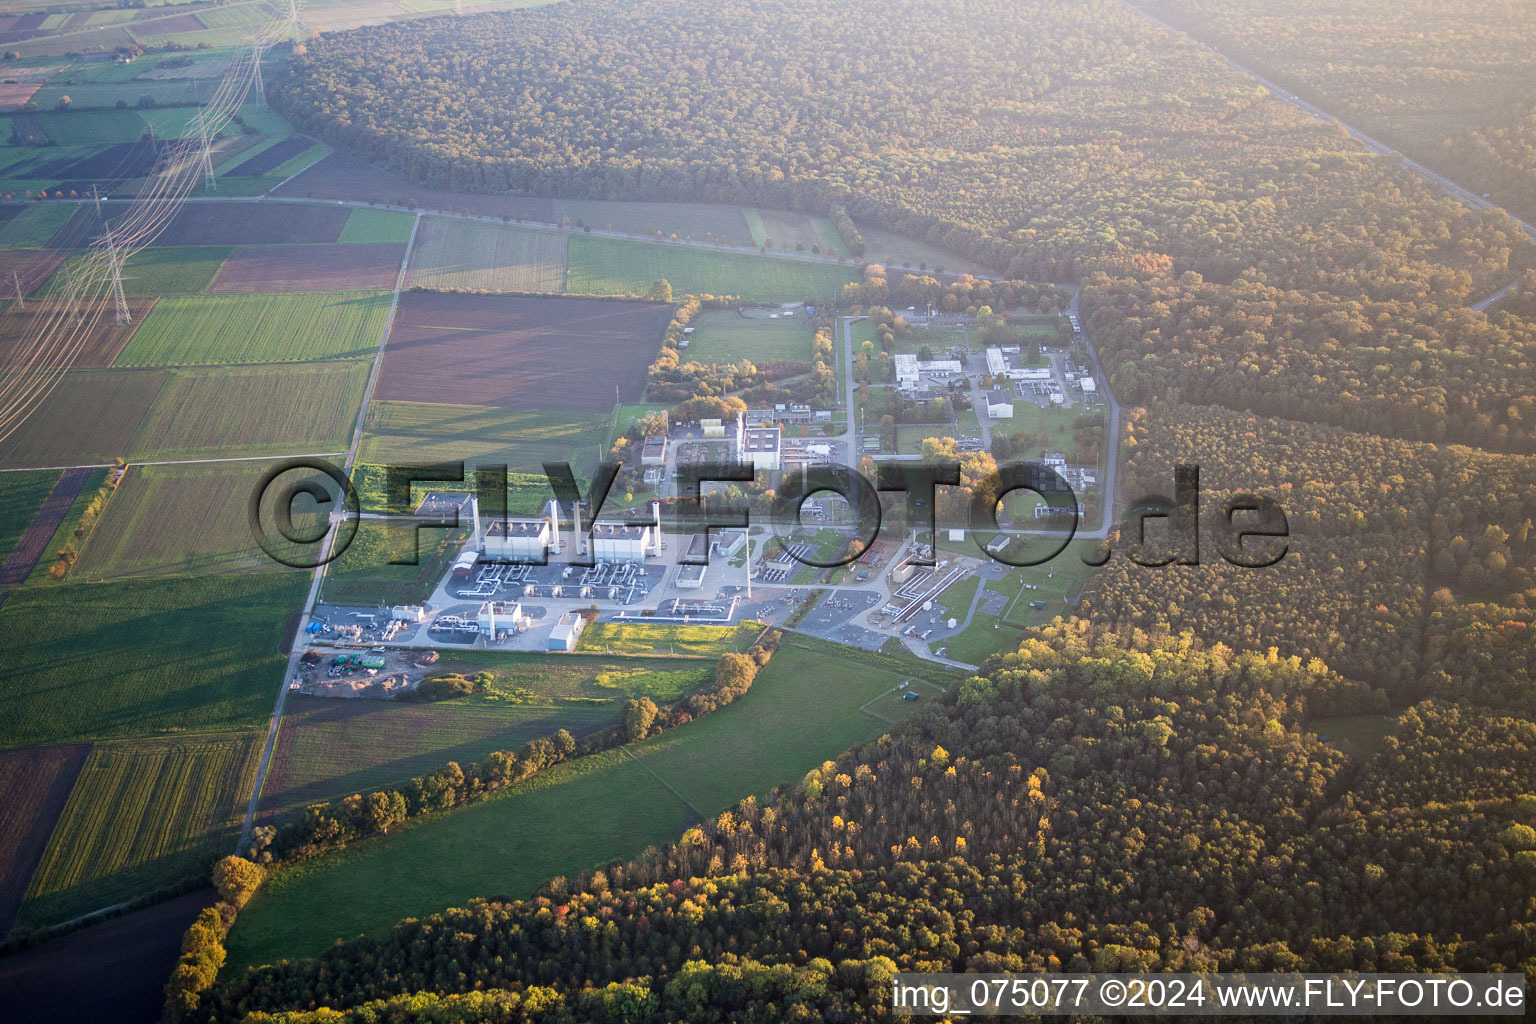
column 234, row 224
column 158, row 270
column 916, row 256
column 666, row 638
column 143, row 814
column 331, row 748
column 341, row 177
column 36, row 783
column 296, row 409
column 804, row 708
column 310, row 268
column 26, row 269
column 21, row 495
column 176, row 520
column 574, row 355
column 377, row 227
column 91, row 416
column 721, row 336
column 607, row 266
column 132, row 659
column 34, row 226
column 416, row 433
column 200, row 329
column 793, row 231
column 478, row 256
column 64, row 532
column 20, row 560
column 697, row 221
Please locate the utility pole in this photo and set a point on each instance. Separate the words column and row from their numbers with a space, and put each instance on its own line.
column 21, row 302
column 257, row 84
column 122, row 314
column 95, row 195
column 207, row 161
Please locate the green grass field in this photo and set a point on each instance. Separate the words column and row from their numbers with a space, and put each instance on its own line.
column 539, row 679
column 296, row 409
column 34, row 226
column 176, row 520
column 1359, row 736
column 724, row 337
column 686, row 220
column 788, row 230
column 172, row 270
column 376, row 226
column 21, row 495
column 329, row 749
column 452, row 253
column 606, row 266
column 364, row 575
column 143, row 814
column 194, row 329
column 803, row 709
column 665, row 638
column 133, row 659
column 421, row 432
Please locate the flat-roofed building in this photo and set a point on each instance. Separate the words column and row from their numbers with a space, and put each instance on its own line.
column 566, row 632
column 762, row 446
column 517, row 540
column 653, row 451
column 621, row 542
column 999, row 405
column 499, row 616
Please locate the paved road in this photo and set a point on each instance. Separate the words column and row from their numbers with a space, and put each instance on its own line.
column 299, row 644
column 1482, row 307
column 1449, row 187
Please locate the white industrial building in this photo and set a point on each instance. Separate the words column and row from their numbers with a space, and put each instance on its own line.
column 566, row 632
column 653, row 451
column 690, row 577
column 517, row 540
column 622, row 542
column 761, row 446
column 1089, row 385
column 712, row 426
column 909, row 368
column 1002, row 368
column 408, row 613
column 729, row 542
column 999, row 405
column 499, row 616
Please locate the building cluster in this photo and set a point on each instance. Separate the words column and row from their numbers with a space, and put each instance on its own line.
column 914, row 375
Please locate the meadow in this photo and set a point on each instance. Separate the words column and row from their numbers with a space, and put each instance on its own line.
column 376, row 226
column 476, row 255
column 136, row 658
column 804, row 708
column 607, row 266
column 724, row 337
column 786, row 230
column 579, row 679
column 34, row 226
column 666, row 638
column 685, row 220
column 364, row 573
column 329, row 749
column 144, row 814
column 201, row 329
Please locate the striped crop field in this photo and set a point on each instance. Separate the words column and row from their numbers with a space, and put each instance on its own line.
column 486, row 257
column 143, row 814
column 258, row 328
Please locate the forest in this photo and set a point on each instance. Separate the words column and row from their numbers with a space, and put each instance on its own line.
column 1095, row 801
column 1452, row 85
column 1143, row 784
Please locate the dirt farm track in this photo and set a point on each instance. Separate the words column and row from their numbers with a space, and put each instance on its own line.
column 537, row 353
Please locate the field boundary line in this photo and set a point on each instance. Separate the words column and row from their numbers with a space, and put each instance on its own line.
column 665, row 784
column 265, row 764
column 327, row 151
column 170, row 462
